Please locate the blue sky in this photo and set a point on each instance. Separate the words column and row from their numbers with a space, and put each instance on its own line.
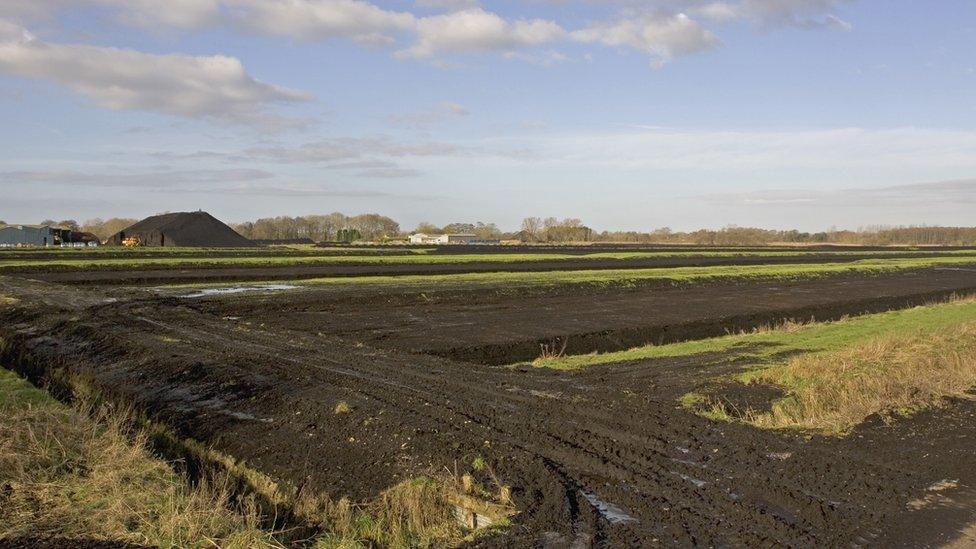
column 627, row 114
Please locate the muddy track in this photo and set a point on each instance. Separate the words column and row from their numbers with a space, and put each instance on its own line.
column 603, row 456
column 215, row 274
column 678, row 475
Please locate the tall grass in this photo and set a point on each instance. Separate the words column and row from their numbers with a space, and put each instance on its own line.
column 80, row 473
column 895, row 374
column 86, row 471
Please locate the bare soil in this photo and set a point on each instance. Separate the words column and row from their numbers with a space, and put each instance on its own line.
column 601, row 457
column 503, row 326
column 163, row 274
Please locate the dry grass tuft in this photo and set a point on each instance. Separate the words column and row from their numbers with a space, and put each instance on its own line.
column 70, row 472
column 552, row 350
column 342, row 408
column 788, row 326
column 418, row 512
column 414, row 513
column 891, row 375
column 85, row 472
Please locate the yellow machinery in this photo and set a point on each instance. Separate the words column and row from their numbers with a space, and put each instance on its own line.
column 131, row 241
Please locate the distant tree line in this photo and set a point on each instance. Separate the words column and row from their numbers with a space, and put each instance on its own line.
column 550, row 229
column 332, row 227
column 485, row 231
column 102, row 228
column 749, row 236
column 374, row 227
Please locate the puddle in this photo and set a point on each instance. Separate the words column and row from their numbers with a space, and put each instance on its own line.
column 245, row 416
column 690, row 463
column 613, row 514
column 697, row 482
column 208, row 292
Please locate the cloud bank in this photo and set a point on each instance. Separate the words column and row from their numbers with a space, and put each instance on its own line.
column 661, row 29
column 215, row 87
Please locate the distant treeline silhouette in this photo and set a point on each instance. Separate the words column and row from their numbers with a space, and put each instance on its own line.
column 748, row 236
column 375, row 227
column 320, row 228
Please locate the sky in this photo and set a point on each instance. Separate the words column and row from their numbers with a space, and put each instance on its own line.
column 627, row 114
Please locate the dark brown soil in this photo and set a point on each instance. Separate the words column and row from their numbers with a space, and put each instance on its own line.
column 491, row 327
column 601, row 457
column 162, row 274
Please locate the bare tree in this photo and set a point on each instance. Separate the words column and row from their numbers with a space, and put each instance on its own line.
column 532, row 226
column 427, row 228
column 104, row 228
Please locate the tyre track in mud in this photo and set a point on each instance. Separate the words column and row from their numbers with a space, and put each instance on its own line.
column 556, row 437
column 579, row 453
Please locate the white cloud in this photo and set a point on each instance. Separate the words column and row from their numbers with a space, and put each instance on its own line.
column 448, row 4
column 661, row 37
column 477, row 30
column 30, row 9
column 799, row 152
column 321, row 19
column 773, row 13
column 662, row 29
column 182, row 14
column 161, row 179
column 954, row 192
column 349, row 148
column 717, row 11
column 214, row 87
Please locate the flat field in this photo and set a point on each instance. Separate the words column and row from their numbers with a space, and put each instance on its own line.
column 615, row 396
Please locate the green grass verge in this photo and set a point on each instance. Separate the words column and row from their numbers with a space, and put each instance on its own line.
column 762, row 347
column 833, row 374
column 16, row 392
column 416, row 257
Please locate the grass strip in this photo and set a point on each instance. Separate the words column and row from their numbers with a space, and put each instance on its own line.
column 278, row 260
column 834, row 374
column 762, row 346
column 637, row 277
column 896, row 374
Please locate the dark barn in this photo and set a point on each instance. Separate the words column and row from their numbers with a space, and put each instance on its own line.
column 33, row 235
column 194, row 229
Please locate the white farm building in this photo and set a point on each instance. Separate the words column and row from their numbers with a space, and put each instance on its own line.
column 421, row 238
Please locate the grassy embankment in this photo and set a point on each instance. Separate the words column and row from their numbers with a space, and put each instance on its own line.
column 83, row 472
column 66, row 474
column 270, row 259
column 835, row 374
